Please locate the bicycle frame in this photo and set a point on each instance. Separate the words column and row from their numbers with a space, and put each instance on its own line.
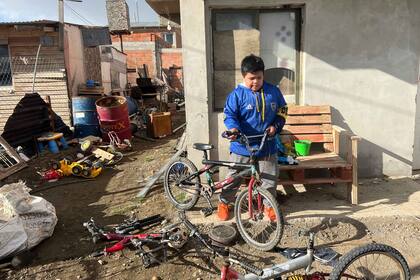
column 228, row 273
column 250, row 170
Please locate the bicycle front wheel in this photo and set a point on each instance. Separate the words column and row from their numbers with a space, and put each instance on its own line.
column 372, row 261
column 183, row 196
column 259, row 219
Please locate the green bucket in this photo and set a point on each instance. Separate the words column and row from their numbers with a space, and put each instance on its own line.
column 302, row 147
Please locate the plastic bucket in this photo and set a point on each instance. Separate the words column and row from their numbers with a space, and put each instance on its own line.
column 302, row 147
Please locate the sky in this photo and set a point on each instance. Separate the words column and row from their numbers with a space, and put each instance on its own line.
column 88, row 12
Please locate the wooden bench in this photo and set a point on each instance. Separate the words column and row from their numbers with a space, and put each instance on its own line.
column 314, row 123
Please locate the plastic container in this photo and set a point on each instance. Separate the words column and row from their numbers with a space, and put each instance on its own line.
column 90, row 83
column 302, row 147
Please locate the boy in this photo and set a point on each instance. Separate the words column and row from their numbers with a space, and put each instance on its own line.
column 252, row 108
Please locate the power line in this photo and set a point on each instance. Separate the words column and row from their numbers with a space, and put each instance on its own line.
column 78, row 15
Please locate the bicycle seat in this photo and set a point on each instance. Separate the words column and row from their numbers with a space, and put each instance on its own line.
column 202, row 147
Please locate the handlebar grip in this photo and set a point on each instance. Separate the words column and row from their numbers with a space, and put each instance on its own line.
column 251, row 268
column 228, row 133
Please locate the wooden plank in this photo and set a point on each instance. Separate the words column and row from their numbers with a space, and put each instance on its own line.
column 344, row 173
column 42, row 74
column 336, row 141
column 41, row 88
column 309, row 110
column 102, row 154
column 39, row 81
column 310, row 181
column 306, row 129
column 352, row 188
column 297, row 174
column 309, row 119
column 329, row 147
column 316, row 138
column 324, row 160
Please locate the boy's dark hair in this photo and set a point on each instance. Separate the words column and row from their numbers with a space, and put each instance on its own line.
column 252, row 64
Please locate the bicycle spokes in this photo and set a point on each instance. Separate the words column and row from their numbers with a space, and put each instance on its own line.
column 254, row 218
column 377, row 265
column 181, row 188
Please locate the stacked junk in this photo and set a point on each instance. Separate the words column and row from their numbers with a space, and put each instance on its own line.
column 104, row 126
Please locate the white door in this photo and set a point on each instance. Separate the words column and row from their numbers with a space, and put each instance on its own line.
column 279, row 50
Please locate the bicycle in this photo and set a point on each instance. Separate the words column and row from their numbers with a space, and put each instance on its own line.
column 353, row 265
column 255, row 227
column 147, row 244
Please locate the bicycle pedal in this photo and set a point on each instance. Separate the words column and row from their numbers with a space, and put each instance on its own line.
column 206, row 211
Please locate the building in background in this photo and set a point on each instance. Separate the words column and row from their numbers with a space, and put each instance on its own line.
column 87, row 54
column 155, row 47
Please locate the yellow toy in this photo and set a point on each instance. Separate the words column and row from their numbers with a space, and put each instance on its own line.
column 83, row 168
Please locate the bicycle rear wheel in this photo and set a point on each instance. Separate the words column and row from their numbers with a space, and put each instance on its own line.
column 182, row 196
column 372, row 261
column 260, row 230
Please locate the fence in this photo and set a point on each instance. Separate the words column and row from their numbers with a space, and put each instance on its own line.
column 17, row 73
column 16, row 80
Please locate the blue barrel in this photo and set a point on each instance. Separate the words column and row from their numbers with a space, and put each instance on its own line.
column 85, row 118
column 132, row 105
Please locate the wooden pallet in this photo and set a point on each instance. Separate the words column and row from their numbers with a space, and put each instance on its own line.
column 314, row 123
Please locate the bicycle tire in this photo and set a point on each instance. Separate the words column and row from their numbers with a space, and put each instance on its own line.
column 117, row 158
column 279, row 221
column 167, row 186
column 370, row 249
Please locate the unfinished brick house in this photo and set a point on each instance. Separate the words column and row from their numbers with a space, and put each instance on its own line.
column 156, row 47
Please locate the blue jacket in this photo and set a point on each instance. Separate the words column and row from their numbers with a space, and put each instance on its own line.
column 252, row 113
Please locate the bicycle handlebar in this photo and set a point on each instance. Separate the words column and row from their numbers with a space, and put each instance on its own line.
column 244, row 139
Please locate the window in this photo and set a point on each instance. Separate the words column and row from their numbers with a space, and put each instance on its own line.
column 169, row 38
column 272, row 34
column 235, row 20
column 5, row 68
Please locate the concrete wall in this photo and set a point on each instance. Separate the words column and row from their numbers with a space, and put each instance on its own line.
column 360, row 57
column 196, row 77
column 73, row 50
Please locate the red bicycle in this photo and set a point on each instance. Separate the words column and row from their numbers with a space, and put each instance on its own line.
column 183, row 187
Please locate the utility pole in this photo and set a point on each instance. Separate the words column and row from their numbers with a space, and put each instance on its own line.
column 61, row 24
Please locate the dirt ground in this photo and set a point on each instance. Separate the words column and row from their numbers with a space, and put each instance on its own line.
column 111, row 197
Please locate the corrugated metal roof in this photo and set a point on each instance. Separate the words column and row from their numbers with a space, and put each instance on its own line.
column 41, row 21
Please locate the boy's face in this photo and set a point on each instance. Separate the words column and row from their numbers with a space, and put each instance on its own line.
column 254, row 80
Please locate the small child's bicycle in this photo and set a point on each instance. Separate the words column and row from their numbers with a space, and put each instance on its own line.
column 371, row 261
column 183, row 188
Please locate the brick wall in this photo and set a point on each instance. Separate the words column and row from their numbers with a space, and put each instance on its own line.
column 172, row 66
column 136, row 59
column 139, row 54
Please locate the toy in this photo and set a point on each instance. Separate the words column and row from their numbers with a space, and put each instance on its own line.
column 84, row 167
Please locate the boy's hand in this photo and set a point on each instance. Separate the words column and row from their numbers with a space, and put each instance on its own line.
column 271, row 130
column 233, row 136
